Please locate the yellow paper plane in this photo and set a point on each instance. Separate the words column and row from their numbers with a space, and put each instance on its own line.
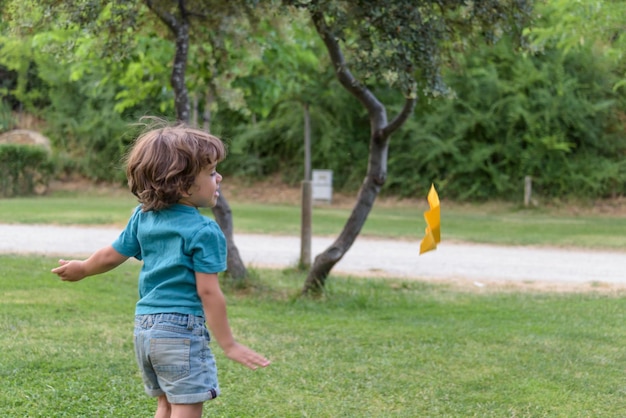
column 433, row 222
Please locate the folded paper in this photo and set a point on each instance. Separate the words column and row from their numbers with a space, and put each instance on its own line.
column 433, row 222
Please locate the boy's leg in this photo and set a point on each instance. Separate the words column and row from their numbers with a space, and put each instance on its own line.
column 168, row 410
column 164, row 408
column 193, row 410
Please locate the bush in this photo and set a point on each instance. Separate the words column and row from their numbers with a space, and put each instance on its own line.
column 24, row 170
column 88, row 135
column 551, row 117
column 6, row 118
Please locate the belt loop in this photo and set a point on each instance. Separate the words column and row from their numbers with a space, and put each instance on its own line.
column 190, row 321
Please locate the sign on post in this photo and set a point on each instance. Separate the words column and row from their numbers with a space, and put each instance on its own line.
column 322, row 185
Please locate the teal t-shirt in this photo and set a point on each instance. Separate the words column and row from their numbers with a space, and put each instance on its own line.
column 173, row 244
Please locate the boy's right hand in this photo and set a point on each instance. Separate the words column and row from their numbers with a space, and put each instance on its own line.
column 70, row 271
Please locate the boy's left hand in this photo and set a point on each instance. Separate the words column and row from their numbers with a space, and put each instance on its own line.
column 246, row 356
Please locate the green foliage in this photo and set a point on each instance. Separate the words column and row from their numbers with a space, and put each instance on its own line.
column 23, row 84
column 401, row 44
column 568, row 24
column 6, row 118
column 293, row 72
column 24, row 169
column 89, row 136
column 554, row 115
column 276, row 144
column 291, row 66
column 63, row 77
column 547, row 116
column 142, row 79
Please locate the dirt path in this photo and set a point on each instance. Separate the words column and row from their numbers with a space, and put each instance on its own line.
column 480, row 266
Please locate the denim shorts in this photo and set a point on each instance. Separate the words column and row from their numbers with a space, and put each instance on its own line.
column 174, row 357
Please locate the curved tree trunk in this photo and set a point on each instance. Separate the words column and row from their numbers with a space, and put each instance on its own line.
column 223, row 214
column 380, row 131
column 224, row 218
column 374, row 179
column 179, row 25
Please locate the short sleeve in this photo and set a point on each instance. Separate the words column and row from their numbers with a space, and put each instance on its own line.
column 208, row 249
column 127, row 243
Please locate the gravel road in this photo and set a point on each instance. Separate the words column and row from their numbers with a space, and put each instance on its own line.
column 474, row 263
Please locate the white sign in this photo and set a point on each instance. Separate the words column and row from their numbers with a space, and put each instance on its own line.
column 322, row 185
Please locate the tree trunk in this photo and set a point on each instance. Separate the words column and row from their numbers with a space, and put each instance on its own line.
column 206, row 115
column 222, row 212
column 224, row 218
column 374, row 180
column 380, row 131
column 179, row 25
column 194, row 110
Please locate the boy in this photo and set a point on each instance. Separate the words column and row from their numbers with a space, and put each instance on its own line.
column 172, row 171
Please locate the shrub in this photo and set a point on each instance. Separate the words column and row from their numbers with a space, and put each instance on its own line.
column 551, row 117
column 6, row 119
column 24, row 170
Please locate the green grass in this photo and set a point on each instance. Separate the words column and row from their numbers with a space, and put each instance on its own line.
column 68, row 210
column 496, row 224
column 527, row 227
column 368, row 348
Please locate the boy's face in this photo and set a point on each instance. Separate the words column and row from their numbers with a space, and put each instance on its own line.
column 205, row 189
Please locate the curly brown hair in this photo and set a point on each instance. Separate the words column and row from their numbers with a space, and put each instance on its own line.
column 164, row 162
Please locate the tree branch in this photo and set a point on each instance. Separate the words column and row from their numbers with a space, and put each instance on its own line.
column 405, row 113
column 165, row 17
column 362, row 93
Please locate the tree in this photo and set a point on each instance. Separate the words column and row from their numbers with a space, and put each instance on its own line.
column 405, row 45
column 114, row 19
column 178, row 18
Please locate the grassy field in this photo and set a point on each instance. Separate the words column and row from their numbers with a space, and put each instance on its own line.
column 368, row 348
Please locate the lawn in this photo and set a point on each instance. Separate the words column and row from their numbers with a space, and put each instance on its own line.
column 368, row 348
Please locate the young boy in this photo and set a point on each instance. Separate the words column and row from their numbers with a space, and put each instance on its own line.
column 172, row 171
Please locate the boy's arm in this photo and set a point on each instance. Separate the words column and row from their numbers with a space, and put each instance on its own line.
column 101, row 261
column 214, row 305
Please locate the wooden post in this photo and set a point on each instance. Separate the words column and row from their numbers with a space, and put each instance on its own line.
column 307, row 214
column 528, row 190
column 307, row 195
